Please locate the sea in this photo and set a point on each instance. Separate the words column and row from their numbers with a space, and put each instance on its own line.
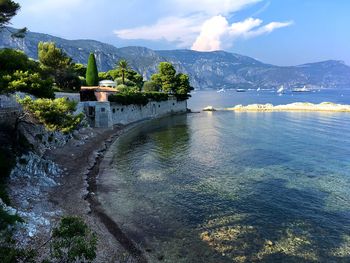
column 229, row 186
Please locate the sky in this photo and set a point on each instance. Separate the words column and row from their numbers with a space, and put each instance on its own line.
column 280, row 32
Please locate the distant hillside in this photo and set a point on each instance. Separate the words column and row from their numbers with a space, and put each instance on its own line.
column 208, row 70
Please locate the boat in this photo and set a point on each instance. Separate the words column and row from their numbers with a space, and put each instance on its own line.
column 241, row 90
column 280, row 90
column 258, row 89
column 220, row 90
column 303, row 89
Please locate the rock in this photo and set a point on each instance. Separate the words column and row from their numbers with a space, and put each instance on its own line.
column 209, row 108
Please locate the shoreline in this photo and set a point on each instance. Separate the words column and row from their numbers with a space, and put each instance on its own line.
column 76, row 193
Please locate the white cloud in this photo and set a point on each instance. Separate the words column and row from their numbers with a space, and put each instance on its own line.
column 202, row 25
column 173, row 29
column 217, row 34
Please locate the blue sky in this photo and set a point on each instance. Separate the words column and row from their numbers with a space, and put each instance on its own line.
column 282, row 32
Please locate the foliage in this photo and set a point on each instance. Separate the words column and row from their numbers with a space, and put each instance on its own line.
column 104, row 76
column 8, row 9
column 12, row 60
column 79, row 69
column 25, row 81
column 91, row 71
column 157, row 96
column 137, row 98
column 150, row 86
column 129, row 75
column 55, row 114
column 170, row 82
column 183, row 86
column 166, row 77
column 73, row 241
column 129, row 98
column 127, row 82
column 58, row 65
column 51, row 57
column 127, row 89
column 19, row 73
column 123, row 66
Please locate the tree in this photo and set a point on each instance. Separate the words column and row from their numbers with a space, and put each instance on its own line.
column 58, row 65
column 150, row 86
column 91, row 71
column 79, row 69
column 26, row 81
column 52, row 57
column 8, row 9
column 123, row 67
column 183, row 86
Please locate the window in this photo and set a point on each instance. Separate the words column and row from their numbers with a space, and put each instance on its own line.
column 103, row 109
column 91, row 111
column 113, row 110
column 122, row 109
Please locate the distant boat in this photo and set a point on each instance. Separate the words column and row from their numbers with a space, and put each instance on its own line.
column 280, row 90
column 258, row 89
column 241, row 90
column 220, row 90
column 303, row 89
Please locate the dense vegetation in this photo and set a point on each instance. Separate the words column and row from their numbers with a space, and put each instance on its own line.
column 55, row 114
column 56, row 64
column 19, row 73
column 137, row 98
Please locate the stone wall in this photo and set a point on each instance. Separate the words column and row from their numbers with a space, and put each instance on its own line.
column 106, row 114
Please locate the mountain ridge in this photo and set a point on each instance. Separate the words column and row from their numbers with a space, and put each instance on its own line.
column 207, row 70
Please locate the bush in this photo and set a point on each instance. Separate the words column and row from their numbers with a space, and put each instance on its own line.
column 129, row 98
column 137, row 98
column 55, row 114
column 157, row 96
column 73, row 241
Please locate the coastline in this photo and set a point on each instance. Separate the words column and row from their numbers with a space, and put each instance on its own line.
column 76, row 193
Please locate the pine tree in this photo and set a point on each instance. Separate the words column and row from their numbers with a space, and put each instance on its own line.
column 91, row 71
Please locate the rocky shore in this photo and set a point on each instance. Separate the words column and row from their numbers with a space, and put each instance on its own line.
column 297, row 106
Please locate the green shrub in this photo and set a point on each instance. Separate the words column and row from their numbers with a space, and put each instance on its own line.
column 157, row 96
column 129, row 98
column 73, row 241
column 137, row 98
column 91, row 71
column 55, row 114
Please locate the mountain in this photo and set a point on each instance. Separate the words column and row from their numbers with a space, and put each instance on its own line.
column 208, row 70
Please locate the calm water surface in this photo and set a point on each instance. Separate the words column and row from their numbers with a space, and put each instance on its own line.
column 236, row 187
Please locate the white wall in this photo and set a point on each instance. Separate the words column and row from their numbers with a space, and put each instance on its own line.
column 107, row 114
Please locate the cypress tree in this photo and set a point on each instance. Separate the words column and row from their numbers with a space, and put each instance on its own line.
column 91, row 71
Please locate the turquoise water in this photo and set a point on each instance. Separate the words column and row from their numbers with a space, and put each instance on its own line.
column 235, row 187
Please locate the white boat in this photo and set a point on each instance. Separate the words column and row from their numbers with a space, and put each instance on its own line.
column 241, row 90
column 220, row 90
column 280, row 90
column 303, row 89
column 258, row 89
